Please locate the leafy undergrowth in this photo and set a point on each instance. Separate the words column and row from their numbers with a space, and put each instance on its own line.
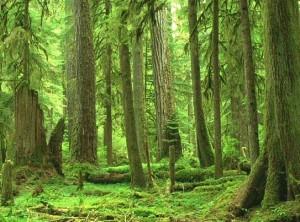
column 58, row 199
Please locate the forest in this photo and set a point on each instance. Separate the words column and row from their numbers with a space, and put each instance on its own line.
column 149, row 110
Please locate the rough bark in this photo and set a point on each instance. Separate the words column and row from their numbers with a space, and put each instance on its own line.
column 282, row 53
column 276, row 187
column 138, row 90
column 71, row 86
column 204, row 150
column 55, row 145
column 136, row 168
column 217, row 94
column 86, row 148
column 164, row 101
column 108, row 97
column 31, row 146
column 283, row 65
column 249, row 71
column 252, row 192
column 7, row 182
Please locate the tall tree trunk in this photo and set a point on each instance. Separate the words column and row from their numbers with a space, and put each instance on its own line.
column 138, row 90
column 283, row 65
column 236, row 81
column 167, row 126
column 276, row 187
column 217, row 85
column 71, row 86
column 249, row 71
column 26, row 25
column 86, row 148
column 108, row 96
column 204, row 150
column 282, row 54
column 136, row 168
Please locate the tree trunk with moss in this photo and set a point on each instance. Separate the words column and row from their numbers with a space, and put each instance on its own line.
column 85, row 150
column 283, row 65
column 276, row 181
column 107, row 69
column 282, row 141
column 249, row 71
column 204, row 149
column 136, row 168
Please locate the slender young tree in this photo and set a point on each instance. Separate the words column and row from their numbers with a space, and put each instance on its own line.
column 108, row 97
column 136, row 168
column 204, row 150
column 86, row 148
column 249, row 71
column 217, row 94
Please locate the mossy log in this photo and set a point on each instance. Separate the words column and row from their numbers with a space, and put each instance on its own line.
column 185, row 187
column 186, row 175
column 7, row 190
column 55, row 145
column 108, row 178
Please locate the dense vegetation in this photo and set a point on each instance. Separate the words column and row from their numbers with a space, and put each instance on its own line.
column 150, row 110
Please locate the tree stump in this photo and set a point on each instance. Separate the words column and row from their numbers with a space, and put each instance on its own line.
column 31, row 146
column 7, row 191
column 55, row 145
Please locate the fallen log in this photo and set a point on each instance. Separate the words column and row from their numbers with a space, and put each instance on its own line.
column 185, row 187
column 187, row 175
column 108, row 178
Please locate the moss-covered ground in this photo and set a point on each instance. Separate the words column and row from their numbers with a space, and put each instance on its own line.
column 54, row 198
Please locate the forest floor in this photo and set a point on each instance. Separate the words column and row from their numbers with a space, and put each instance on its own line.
column 54, row 198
